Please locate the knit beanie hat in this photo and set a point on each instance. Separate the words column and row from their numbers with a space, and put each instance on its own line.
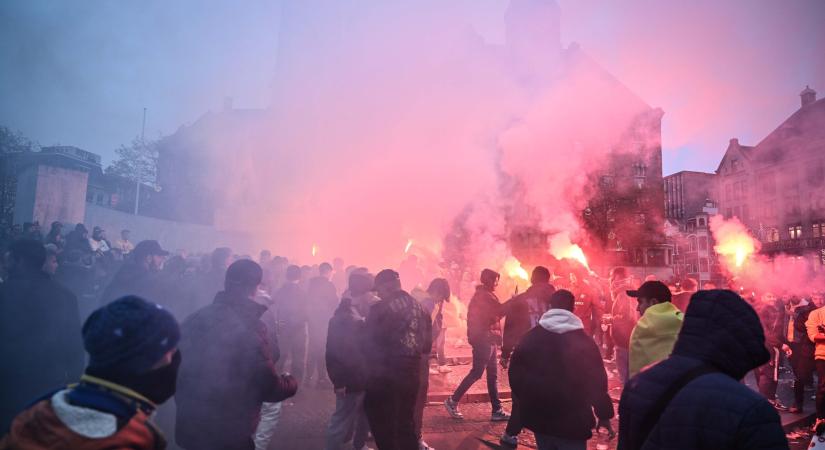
column 128, row 336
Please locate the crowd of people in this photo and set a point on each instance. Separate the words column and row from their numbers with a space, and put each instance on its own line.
column 97, row 335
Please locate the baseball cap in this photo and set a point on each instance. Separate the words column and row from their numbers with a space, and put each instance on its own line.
column 652, row 289
column 151, row 247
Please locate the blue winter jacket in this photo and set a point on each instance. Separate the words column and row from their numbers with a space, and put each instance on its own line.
column 714, row 411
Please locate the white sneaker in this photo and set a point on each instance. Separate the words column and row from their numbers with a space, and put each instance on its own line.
column 452, row 409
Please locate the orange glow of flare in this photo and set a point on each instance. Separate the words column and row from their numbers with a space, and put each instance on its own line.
column 513, row 269
column 562, row 248
column 409, row 245
column 733, row 240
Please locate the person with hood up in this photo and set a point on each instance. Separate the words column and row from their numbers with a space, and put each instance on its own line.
column 291, row 303
column 133, row 363
column 623, row 319
column 228, row 372
column 140, row 275
column 347, row 368
column 524, row 312
column 559, row 378
column 800, row 349
column 398, row 336
column 78, row 239
column 484, row 334
column 40, row 342
column 321, row 303
column 695, row 399
column 655, row 333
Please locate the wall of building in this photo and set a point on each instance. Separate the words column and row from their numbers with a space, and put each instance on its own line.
column 48, row 193
column 172, row 235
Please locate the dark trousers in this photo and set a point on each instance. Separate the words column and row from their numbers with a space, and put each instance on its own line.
column 514, row 425
column 820, row 389
column 484, row 358
column 316, row 357
column 293, row 344
column 390, row 406
column 802, row 363
column 766, row 381
column 421, row 398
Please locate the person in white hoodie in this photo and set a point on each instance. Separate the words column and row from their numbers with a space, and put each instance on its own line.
column 558, row 375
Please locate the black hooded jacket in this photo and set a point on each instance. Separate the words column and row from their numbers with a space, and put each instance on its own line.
column 524, row 312
column 714, row 411
column 346, row 364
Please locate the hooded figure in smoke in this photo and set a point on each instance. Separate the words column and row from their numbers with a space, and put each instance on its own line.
column 228, row 372
column 694, row 399
column 140, row 275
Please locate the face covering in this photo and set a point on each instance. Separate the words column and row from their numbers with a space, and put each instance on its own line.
column 157, row 385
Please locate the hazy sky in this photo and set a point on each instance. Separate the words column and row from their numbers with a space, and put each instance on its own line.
column 80, row 73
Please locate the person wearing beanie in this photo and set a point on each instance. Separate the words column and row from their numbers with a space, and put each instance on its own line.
column 291, row 305
column 347, row 368
column 558, row 376
column 524, row 312
column 40, row 345
column 695, row 399
column 655, row 333
column 484, row 334
column 398, row 337
column 133, row 365
column 228, row 372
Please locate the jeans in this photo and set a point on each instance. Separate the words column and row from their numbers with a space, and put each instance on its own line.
column 293, row 344
column 316, row 356
column 514, row 425
column 348, row 422
column 485, row 357
column 439, row 347
column 820, row 389
column 545, row 442
column 390, row 405
column 765, row 379
column 802, row 363
column 622, row 363
column 421, row 398
column 270, row 414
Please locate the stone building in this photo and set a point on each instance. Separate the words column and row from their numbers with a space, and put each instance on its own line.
column 687, row 193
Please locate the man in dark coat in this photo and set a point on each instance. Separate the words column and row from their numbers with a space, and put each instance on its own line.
column 484, row 334
column 40, row 344
column 559, row 378
column 398, row 335
column 228, row 371
column 347, row 368
column 321, row 303
column 291, row 304
column 771, row 313
column 524, row 312
column 800, row 348
column 721, row 340
column 140, row 275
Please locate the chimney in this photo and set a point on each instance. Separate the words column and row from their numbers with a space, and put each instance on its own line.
column 734, row 142
column 808, row 96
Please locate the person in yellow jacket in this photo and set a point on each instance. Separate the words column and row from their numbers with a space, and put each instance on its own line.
column 656, row 331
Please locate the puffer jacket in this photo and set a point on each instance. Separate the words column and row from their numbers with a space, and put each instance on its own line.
column 714, row 410
column 484, row 315
column 816, row 319
column 523, row 313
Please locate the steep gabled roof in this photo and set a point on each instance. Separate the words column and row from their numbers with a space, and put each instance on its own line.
column 800, row 134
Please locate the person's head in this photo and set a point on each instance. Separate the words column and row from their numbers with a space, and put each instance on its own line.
column 125, row 234
column 794, row 300
column 243, row 277
column 818, row 299
column 293, row 274
column 489, row 279
column 563, row 299
column 618, row 273
column 689, row 285
column 540, row 275
column 175, row 266
column 221, row 259
column 439, row 289
column 650, row 293
column 133, row 342
column 25, row 255
column 265, row 257
column 56, row 228
column 360, row 283
column 325, row 270
column 387, row 282
column 81, row 231
column 50, row 266
column 769, row 297
column 149, row 254
column 98, row 233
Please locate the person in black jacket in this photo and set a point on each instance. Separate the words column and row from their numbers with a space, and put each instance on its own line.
column 559, row 378
column 771, row 313
column 291, row 303
column 720, row 341
column 398, row 335
column 484, row 334
column 228, row 371
column 347, row 369
column 799, row 347
column 524, row 312
column 140, row 275
column 40, row 343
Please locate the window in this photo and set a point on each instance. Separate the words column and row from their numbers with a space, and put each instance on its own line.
column 772, row 235
column 819, row 229
column 606, row 181
column 745, row 213
column 99, row 199
column 703, row 243
column 728, row 191
column 792, row 206
column 795, row 231
column 737, row 190
column 692, row 244
column 701, row 221
column 703, row 265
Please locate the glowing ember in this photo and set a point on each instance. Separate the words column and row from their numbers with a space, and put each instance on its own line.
column 513, row 269
column 733, row 240
column 409, row 244
column 562, row 248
